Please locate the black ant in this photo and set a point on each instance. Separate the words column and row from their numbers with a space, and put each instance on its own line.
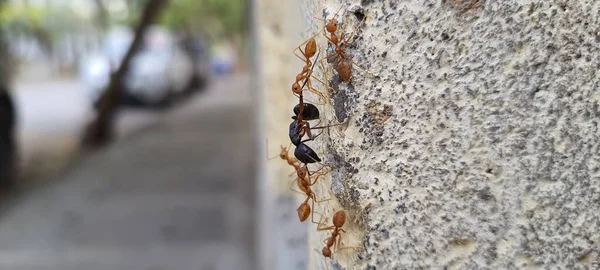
column 298, row 128
column 309, row 112
column 305, row 154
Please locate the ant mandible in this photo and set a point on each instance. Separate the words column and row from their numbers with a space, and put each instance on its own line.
column 343, row 66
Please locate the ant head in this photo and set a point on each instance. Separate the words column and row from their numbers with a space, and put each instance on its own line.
column 326, row 252
column 284, row 153
column 303, row 211
column 296, row 88
column 332, row 25
column 339, row 218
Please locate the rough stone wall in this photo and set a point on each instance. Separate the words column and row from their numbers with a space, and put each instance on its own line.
column 284, row 238
column 475, row 139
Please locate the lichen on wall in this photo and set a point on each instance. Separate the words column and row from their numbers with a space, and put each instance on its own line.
column 472, row 134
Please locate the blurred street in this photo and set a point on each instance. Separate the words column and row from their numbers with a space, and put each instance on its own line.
column 176, row 191
column 51, row 116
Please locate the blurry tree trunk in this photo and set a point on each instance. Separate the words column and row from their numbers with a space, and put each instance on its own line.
column 8, row 154
column 102, row 14
column 100, row 131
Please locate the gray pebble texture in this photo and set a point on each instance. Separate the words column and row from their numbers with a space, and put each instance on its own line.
column 476, row 137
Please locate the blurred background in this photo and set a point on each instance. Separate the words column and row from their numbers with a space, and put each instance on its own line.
column 126, row 135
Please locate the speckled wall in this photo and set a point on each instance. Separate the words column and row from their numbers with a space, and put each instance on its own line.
column 470, row 142
column 473, row 136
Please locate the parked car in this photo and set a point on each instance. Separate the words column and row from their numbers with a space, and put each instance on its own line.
column 198, row 52
column 157, row 73
column 7, row 142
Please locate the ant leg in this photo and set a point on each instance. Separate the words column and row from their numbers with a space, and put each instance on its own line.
column 311, row 138
column 319, row 80
column 312, row 218
column 314, row 200
column 321, row 223
column 343, row 248
column 324, row 227
column 304, row 59
column 314, row 102
column 316, row 178
column 337, row 244
column 344, row 41
column 358, row 66
column 336, row 12
column 345, row 57
column 320, row 201
column 327, row 58
column 322, row 127
column 314, row 16
column 318, row 171
column 317, row 92
column 290, row 187
column 328, row 88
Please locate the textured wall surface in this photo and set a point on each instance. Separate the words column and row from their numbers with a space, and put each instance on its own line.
column 279, row 28
column 475, row 140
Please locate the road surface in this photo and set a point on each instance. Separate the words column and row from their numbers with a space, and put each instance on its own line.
column 179, row 195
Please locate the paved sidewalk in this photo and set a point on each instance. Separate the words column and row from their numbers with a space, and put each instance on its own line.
column 180, row 195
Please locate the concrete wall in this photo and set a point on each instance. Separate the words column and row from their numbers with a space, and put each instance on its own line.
column 473, row 139
column 279, row 29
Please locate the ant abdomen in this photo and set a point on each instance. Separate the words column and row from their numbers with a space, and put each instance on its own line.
column 305, row 154
column 303, row 211
column 310, row 112
column 344, row 70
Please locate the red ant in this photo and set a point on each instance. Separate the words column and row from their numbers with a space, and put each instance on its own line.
column 304, row 210
column 310, row 49
column 301, row 171
column 343, row 66
column 307, row 156
column 339, row 218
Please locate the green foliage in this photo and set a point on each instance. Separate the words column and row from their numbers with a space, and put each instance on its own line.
column 21, row 18
column 218, row 18
column 43, row 23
